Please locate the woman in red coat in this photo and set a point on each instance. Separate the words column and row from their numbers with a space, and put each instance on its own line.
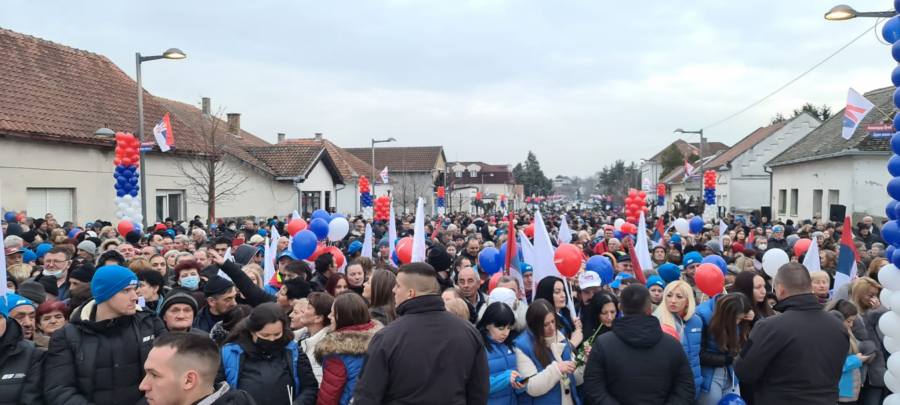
column 341, row 351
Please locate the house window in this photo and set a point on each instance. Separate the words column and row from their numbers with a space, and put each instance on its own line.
column 795, row 194
column 311, row 202
column 472, row 173
column 458, row 174
column 817, row 202
column 169, row 204
column 56, row 201
column 328, row 201
column 782, row 201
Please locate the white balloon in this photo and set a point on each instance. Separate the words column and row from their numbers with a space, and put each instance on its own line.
column 120, row 214
column 891, row 382
column 123, row 206
column 891, row 344
column 889, row 277
column 894, row 304
column 682, row 226
column 890, row 325
column 138, row 218
column 618, row 224
column 773, row 260
column 117, row 200
column 126, row 218
column 337, row 229
column 135, row 204
column 127, row 198
column 129, row 212
column 893, row 399
column 893, row 363
column 138, row 198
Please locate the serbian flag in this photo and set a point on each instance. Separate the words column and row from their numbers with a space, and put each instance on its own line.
column 857, row 108
column 657, row 239
column 846, row 266
column 688, row 169
column 163, row 133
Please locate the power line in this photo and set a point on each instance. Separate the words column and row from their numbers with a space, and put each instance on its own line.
column 795, row 79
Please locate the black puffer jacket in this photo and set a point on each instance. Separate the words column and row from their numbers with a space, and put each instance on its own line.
column 227, row 395
column 99, row 362
column 20, row 360
column 795, row 357
column 318, row 282
column 638, row 364
column 252, row 294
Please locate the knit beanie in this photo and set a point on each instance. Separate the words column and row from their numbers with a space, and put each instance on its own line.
column 15, row 300
column 655, row 280
column 109, row 280
column 111, row 254
column 691, row 258
column 178, row 295
column 4, row 310
column 217, row 285
column 83, row 273
column 28, row 256
column 50, row 286
column 439, row 259
column 133, row 237
column 669, row 272
column 33, row 291
column 42, row 249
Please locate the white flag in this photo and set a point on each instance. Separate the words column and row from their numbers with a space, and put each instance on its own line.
column 227, row 257
column 384, row 175
column 291, row 237
column 640, row 247
column 367, row 243
column 857, row 108
column 527, row 248
column 545, row 264
column 392, row 233
column 722, row 229
column 565, row 236
column 487, row 192
column 419, row 247
column 811, row 261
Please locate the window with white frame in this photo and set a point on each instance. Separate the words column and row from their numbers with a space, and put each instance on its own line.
column 169, row 204
column 56, row 201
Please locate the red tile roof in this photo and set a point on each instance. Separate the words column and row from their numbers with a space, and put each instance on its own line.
column 405, row 159
column 748, row 142
column 348, row 164
column 288, row 161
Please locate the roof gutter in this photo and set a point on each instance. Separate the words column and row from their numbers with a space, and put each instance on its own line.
column 845, row 152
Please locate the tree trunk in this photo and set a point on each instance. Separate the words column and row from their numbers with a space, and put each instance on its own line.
column 211, row 205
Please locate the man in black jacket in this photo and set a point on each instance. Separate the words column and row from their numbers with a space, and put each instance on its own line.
column 98, row 356
column 797, row 356
column 637, row 363
column 427, row 355
column 326, row 266
column 181, row 370
column 20, row 362
column 220, row 296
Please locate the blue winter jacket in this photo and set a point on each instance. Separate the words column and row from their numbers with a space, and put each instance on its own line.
column 691, row 333
column 502, row 362
column 705, row 311
column 525, row 343
column 851, row 367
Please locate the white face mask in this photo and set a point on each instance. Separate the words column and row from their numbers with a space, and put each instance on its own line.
column 52, row 273
column 232, row 228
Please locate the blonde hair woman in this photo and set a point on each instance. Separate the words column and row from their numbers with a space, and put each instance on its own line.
column 21, row 272
column 255, row 273
column 108, row 232
column 677, row 311
column 458, row 307
column 743, row 263
column 864, row 293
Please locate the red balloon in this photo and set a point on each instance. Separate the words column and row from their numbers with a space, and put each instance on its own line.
column 20, row 217
column 568, row 260
column 632, row 193
column 529, row 231
column 320, row 248
column 338, row 255
column 627, row 201
column 297, row 225
column 709, row 279
column 126, row 161
column 119, row 151
column 120, row 136
column 124, row 227
column 404, row 250
column 494, row 280
column 801, row 246
column 117, row 161
column 642, row 195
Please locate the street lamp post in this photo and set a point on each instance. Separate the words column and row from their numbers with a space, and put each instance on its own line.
column 373, row 160
column 844, row 12
column 171, row 53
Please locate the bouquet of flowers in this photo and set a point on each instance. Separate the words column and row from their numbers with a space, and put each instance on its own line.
column 581, row 354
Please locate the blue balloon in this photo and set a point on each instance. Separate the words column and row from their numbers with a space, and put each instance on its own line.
column 893, row 165
column 891, row 209
column 9, row 216
column 618, row 235
column 134, row 193
column 120, row 192
column 133, row 168
column 732, row 399
column 602, row 266
column 319, row 227
column 891, row 29
column 890, row 232
column 133, row 180
column 889, row 252
column 489, row 260
column 322, row 214
column 127, row 173
column 895, row 52
column 696, row 224
column 895, row 76
column 117, row 186
column 895, row 258
column 503, row 252
column 304, row 244
column 74, row 232
column 120, row 167
column 337, row 215
column 396, row 259
column 718, row 261
column 893, row 188
column 897, row 210
column 137, row 226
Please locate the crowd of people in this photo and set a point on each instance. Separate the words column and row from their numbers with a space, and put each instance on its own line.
column 181, row 313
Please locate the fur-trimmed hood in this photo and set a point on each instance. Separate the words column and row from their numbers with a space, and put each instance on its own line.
column 353, row 340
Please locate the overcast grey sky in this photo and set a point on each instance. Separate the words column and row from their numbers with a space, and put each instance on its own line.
column 581, row 83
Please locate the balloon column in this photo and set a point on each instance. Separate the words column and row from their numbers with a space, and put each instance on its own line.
column 440, row 201
column 478, row 200
column 660, row 199
column 889, row 276
column 709, row 194
column 127, row 186
column 365, row 196
column 382, row 208
column 502, row 201
column 635, row 203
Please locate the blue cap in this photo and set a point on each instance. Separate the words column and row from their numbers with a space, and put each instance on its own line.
column 170, row 232
column 691, row 258
column 15, row 300
column 778, row 228
column 286, row 253
column 42, row 249
column 354, row 247
column 618, row 281
column 213, row 226
column 89, row 224
column 669, row 272
column 525, row 268
column 675, row 239
column 656, row 280
column 109, row 280
column 28, row 255
column 263, row 232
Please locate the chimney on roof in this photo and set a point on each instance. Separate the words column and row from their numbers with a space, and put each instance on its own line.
column 280, row 137
column 234, row 123
column 318, row 137
column 204, row 104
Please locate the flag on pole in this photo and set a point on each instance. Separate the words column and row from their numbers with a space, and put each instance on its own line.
column 436, row 230
column 811, row 261
column 165, row 139
column 226, row 257
column 722, row 229
column 857, row 108
column 367, row 242
column 565, row 235
column 544, row 263
column 846, row 266
column 688, row 169
column 487, row 192
column 511, row 261
column 658, row 238
column 640, row 250
column 384, row 175
column 294, row 216
column 270, row 255
column 419, row 246
column 392, row 232
column 527, row 249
